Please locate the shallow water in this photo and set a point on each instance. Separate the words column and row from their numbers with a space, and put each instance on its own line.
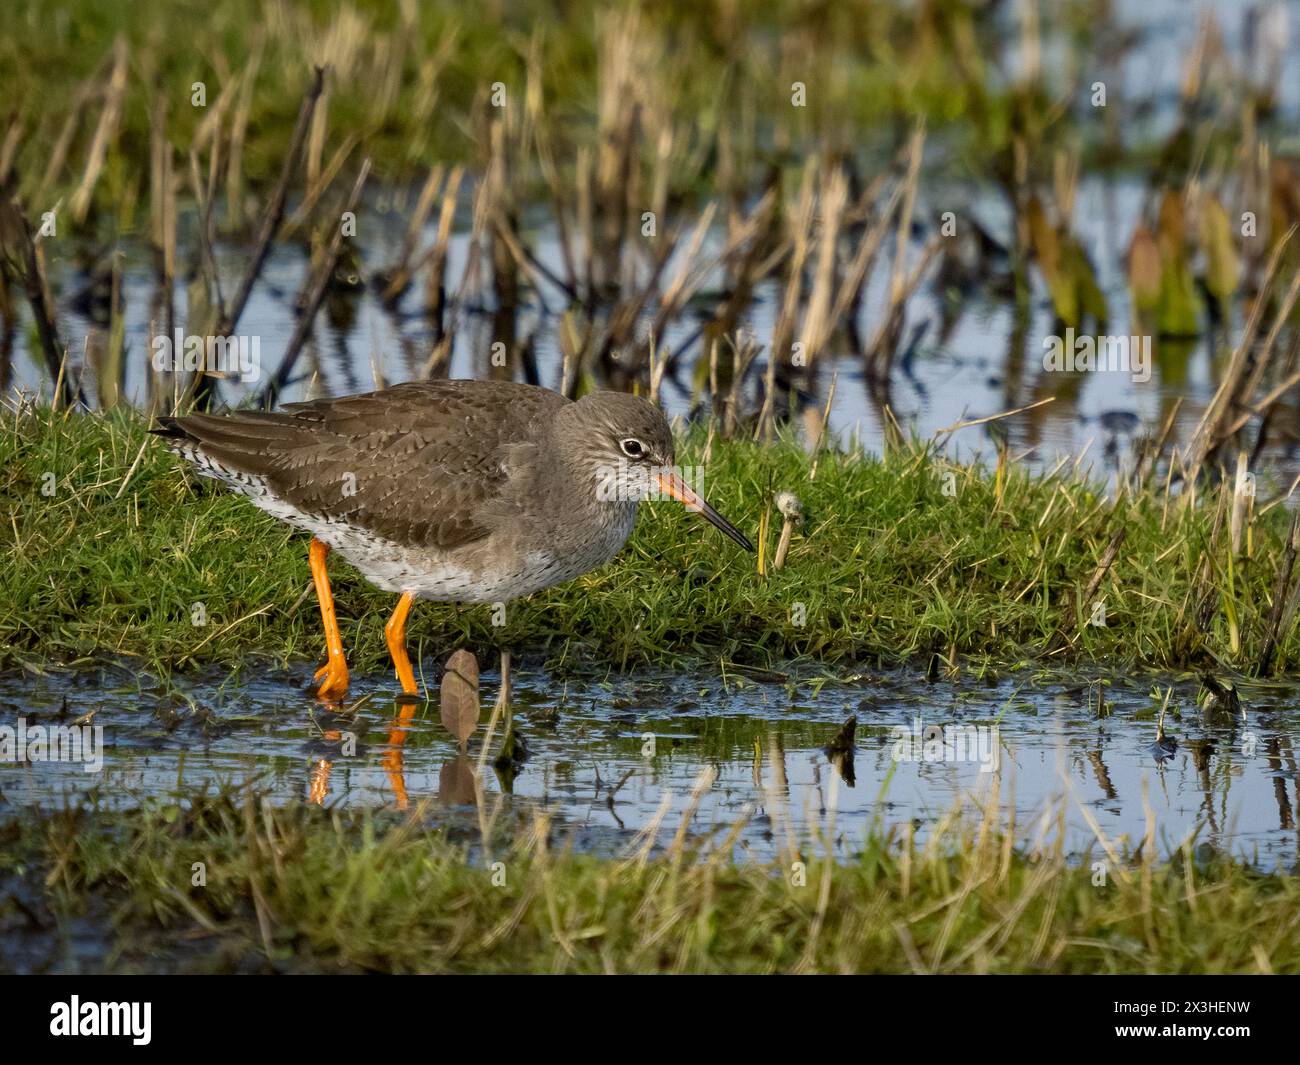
column 610, row 754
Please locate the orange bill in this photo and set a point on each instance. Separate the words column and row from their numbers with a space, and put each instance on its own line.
column 670, row 483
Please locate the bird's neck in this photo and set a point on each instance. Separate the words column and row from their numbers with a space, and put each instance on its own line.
column 591, row 481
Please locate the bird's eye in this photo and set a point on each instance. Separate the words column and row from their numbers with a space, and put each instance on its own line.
column 632, row 448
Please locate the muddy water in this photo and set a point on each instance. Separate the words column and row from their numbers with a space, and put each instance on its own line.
column 608, row 755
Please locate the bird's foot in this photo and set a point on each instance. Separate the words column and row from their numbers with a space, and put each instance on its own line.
column 332, row 680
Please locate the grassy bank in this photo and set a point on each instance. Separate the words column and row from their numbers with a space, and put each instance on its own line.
column 899, row 559
column 301, row 889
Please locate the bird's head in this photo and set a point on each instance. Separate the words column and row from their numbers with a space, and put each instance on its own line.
column 628, row 444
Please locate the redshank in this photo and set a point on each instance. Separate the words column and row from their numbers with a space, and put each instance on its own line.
column 466, row 491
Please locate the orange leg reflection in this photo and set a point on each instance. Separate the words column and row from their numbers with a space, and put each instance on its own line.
column 393, row 756
column 318, row 783
column 318, row 787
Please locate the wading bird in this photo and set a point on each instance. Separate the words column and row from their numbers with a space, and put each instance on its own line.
column 464, row 491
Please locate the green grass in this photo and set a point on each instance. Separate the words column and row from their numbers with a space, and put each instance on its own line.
column 887, row 568
column 303, row 889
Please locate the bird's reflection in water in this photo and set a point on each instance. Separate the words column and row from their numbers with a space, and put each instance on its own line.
column 392, row 761
column 335, row 742
column 331, row 743
column 457, row 783
column 318, row 784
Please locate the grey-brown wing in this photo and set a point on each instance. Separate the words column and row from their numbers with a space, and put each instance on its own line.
column 416, row 463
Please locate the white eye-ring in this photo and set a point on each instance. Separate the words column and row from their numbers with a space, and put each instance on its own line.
column 632, row 448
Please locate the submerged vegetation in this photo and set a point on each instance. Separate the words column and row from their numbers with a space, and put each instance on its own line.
column 112, row 548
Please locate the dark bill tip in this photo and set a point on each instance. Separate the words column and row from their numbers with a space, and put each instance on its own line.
column 722, row 523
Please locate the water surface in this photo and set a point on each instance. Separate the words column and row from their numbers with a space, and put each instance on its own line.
column 610, row 754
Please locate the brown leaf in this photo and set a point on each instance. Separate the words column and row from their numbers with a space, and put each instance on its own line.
column 844, row 739
column 459, row 705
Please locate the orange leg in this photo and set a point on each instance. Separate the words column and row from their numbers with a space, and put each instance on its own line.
column 395, row 633
column 333, row 676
